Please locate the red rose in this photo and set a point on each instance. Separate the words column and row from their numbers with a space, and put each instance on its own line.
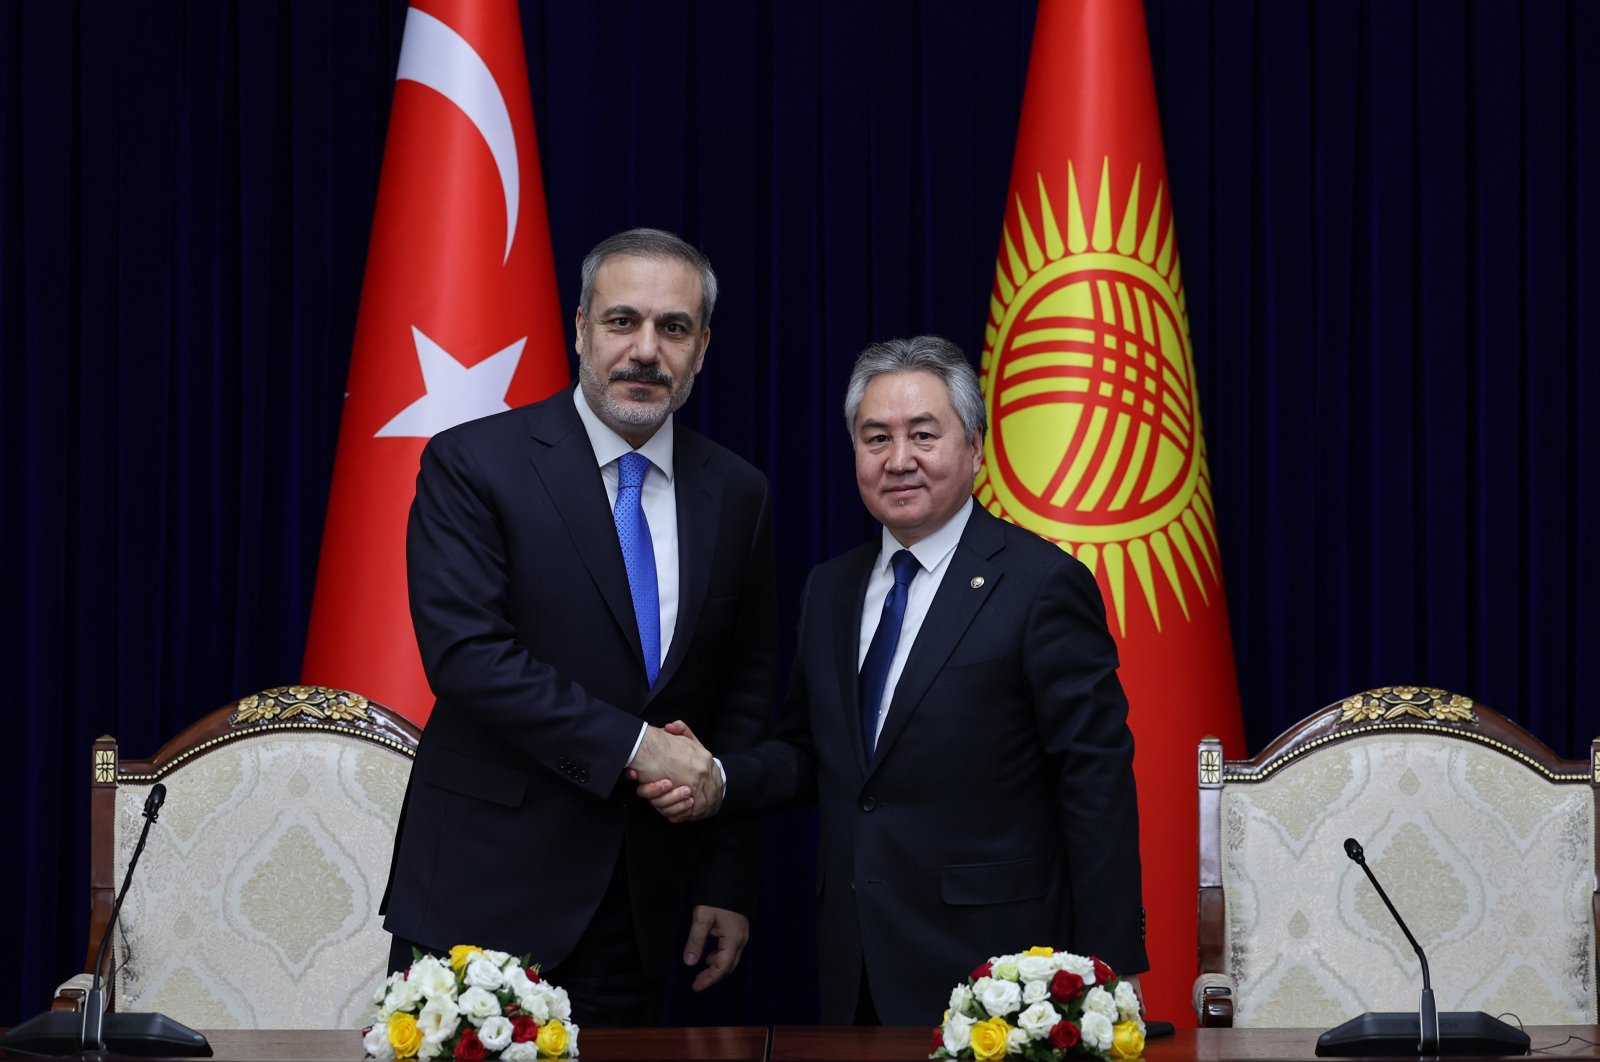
column 533, row 974
column 1065, row 985
column 523, row 1029
column 938, row 1038
column 983, row 971
column 469, row 1048
column 1064, row 1037
column 1102, row 972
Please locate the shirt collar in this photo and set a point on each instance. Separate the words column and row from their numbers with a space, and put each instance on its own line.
column 934, row 548
column 608, row 445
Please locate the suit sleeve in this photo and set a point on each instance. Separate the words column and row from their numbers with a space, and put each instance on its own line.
column 780, row 772
column 728, row 862
column 457, row 574
column 1071, row 661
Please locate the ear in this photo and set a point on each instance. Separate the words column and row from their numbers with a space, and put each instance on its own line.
column 700, row 358
column 977, row 452
column 577, row 331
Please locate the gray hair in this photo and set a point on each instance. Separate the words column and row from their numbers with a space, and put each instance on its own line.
column 920, row 354
column 657, row 244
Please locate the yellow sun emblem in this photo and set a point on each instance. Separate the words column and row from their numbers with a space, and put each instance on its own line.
column 1088, row 378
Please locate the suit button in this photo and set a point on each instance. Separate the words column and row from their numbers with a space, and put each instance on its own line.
column 867, row 803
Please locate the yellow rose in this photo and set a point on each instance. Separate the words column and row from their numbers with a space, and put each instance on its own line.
column 1041, row 951
column 989, row 1039
column 404, row 1036
column 462, row 954
column 1127, row 1041
column 552, row 1039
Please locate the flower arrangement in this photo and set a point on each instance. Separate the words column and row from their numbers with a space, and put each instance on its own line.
column 474, row 1005
column 1041, row 1005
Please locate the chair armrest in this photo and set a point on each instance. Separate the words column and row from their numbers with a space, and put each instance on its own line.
column 71, row 993
column 1213, row 1000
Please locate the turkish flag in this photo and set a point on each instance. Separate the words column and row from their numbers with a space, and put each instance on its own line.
column 459, row 318
column 1095, row 438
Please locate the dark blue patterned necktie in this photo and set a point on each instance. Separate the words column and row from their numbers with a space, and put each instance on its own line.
column 880, row 654
column 639, row 556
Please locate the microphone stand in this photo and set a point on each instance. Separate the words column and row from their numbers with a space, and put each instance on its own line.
column 1428, row 1014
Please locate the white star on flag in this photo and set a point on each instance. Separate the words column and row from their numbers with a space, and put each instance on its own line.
column 455, row 394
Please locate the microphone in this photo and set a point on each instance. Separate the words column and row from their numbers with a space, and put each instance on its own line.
column 1459, row 1033
column 96, row 1032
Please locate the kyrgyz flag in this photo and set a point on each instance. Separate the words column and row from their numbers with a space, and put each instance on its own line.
column 1095, row 440
column 459, row 318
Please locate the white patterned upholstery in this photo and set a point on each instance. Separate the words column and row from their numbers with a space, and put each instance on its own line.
column 1491, row 863
column 255, row 904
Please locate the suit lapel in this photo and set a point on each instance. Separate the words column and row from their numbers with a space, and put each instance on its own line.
column 699, row 500
column 846, row 619
column 561, row 455
column 967, row 583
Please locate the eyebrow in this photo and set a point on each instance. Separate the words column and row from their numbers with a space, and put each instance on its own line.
column 667, row 317
column 918, row 419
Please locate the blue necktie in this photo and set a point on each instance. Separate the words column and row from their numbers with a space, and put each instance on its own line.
column 639, row 556
column 880, row 654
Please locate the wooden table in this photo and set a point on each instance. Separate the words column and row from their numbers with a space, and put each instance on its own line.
column 800, row 1043
column 795, row 1043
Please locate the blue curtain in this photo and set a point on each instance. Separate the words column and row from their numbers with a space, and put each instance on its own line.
column 1389, row 216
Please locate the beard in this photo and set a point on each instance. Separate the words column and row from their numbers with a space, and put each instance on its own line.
column 633, row 415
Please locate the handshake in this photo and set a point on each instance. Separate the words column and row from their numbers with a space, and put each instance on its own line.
column 676, row 774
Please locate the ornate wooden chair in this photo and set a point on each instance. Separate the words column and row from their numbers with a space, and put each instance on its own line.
column 255, row 904
column 1483, row 838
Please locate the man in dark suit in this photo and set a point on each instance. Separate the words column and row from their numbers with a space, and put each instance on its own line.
column 955, row 710
column 581, row 572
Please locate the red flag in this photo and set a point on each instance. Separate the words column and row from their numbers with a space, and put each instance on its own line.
column 459, row 318
column 1095, row 438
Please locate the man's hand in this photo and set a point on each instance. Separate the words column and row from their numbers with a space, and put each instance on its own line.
column 732, row 931
column 674, row 768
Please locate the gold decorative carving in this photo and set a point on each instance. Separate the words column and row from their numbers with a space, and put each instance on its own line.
column 1210, row 766
column 1388, row 703
column 105, row 766
column 285, row 703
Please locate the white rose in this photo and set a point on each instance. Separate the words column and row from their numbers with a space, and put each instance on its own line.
column 1127, row 1002
column 527, row 1051
column 430, row 1049
column 1099, row 1001
column 517, row 981
column 501, row 959
column 1096, row 1031
column 957, row 1033
column 1036, row 967
column 1038, row 1020
column 403, row 995
column 376, row 1042
column 478, row 1004
column 481, row 973
column 560, row 1006
column 433, row 978
column 960, row 997
column 1078, row 964
column 1016, row 1040
column 998, row 997
column 495, row 1032
column 535, row 1003
column 1006, row 968
column 572, row 1040
column 1034, row 991
column 439, row 1019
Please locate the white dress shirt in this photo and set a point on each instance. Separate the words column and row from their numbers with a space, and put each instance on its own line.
column 933, row 555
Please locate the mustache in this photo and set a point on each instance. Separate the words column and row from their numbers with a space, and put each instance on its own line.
column 647, row 374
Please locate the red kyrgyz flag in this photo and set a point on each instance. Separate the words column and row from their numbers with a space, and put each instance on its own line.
column 459, row 318
column 1094, row 439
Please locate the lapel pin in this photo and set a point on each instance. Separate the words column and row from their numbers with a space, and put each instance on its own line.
column 977, row 581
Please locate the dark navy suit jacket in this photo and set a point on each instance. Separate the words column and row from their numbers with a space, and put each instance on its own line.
column 516, row 810
column 998, row 811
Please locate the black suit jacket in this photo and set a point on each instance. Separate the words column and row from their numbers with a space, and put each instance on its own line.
column 998, row 811
column 516, row 810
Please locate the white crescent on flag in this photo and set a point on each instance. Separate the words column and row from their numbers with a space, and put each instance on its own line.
column 433, row 54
